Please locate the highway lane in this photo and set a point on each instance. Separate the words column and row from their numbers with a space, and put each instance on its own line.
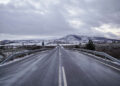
column 37, row 70
column 82, row 70
column 58, row 67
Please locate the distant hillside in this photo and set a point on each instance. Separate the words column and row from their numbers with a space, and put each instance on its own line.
column 84, row 39
column 74, row 39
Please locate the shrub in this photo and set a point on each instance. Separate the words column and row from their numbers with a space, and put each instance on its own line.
column 90, row 45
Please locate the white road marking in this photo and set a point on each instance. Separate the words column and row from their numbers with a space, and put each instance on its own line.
column 104, row 62
column 64, row 76
column 60, row 70
column 27, row 70
column 110, row 66
column 60, row 77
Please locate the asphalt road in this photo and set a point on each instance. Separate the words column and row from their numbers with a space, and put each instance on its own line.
column 58, row 67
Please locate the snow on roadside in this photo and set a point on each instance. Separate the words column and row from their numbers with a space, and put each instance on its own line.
column 18, row 59
column 15, row 60
column 101, row 58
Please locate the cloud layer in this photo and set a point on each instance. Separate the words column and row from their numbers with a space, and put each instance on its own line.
column 59, row 17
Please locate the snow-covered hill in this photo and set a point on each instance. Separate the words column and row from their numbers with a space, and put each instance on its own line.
column 85, row 39
column 69, row 39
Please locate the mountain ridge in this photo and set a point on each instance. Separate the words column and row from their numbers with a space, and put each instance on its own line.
column 83, row 38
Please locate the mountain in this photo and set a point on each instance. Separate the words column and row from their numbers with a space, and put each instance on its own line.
column 85, row 39
column 3, row 42
column 69, row 39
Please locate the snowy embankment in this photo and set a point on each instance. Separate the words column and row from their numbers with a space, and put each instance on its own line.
column 101, row 55
column 14, row 57
column 15, row 60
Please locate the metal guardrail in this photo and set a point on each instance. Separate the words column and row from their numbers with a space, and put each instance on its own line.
column 19, row 54
column 105, row 55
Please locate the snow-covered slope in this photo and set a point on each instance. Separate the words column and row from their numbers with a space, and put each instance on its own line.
column 69, row 39
column 84, row 39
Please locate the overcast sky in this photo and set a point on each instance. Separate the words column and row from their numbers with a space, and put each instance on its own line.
column 31, row 19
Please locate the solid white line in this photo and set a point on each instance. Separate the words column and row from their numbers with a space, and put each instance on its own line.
column 60, row 77
column 60, row 71
column 20, row 74
column 104, row 62
column 64, row 76
column 110, row 66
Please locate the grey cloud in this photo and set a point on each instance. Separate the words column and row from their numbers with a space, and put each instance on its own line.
column 50, row 17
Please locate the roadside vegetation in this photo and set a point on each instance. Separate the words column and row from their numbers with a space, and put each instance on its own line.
column 112, row 49
column 90, row 45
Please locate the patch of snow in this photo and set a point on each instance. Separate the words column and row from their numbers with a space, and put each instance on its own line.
column 15, row 60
